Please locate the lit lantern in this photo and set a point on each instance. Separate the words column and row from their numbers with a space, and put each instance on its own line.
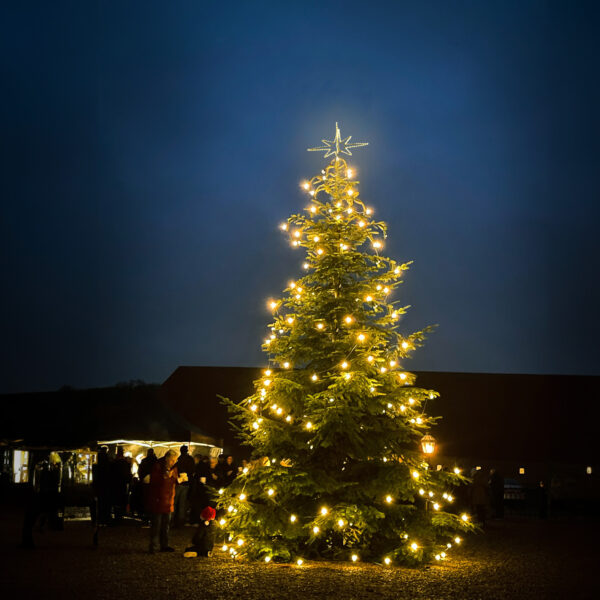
column 428, row 444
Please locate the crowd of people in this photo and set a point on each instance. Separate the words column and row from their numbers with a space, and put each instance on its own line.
column 171, row 491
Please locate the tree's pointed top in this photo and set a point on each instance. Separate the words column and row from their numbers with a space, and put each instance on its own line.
column 338, row 145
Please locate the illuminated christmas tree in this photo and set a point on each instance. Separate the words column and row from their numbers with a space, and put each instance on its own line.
column 336, row 422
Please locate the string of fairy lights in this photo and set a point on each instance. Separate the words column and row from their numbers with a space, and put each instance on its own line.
column 354, row 222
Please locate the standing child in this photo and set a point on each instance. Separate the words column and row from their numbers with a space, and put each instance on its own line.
column 204, row 538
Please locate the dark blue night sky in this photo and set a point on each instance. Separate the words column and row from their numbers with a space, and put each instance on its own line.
column 150, row 150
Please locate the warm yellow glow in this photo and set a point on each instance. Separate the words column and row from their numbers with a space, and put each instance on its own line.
column 415, row 474
column 386, row 290
column 341, row 523
column 293, row 518
column 255, row 424
column 354, row 557
column 414, row 546
column 383, row 369
column 221, row 490
column 344, row 365
column 347, row 375
column 290, row 320
column 316, row 530
column 308, row 425
column 267, row 559
column 419, row 420
column 313, row 209
column 456, row 470
column 387, row 560
column 295, row 243
column 288, row 418
column 394, row 315
column 240, row 542
column 349, row 173
column 402, row 408
column 253, row 408
column 350, row 192
column 389, row 499
column 361, row 337
column 270, row 491
column 283, row 226
column 299, row 562
column 443, row 555
column 297, row 234
column 450, row 498
column 320, row 251
column 242, row 496
column 316, row 238
column 378, row 288
column 437, row 557
column 305, row 265
column 324, row 510
column 306, row 185
column 272, row 304
column 404, row 345
column 221, row 522
column 320, row 326
column 361, row 223
column 392, row 363
column 457, row 540
column 369, row 299
column 464, row 517
column 349, row 211
column 267, row 382
column 368, row 211
column 411, row 401
column 430, row 494
column 370, row 358
column 286, row 365
column 402, row 376
column 338, row 217
column 268, row 372
column 348, row 319
column 279, row 410
column 314, row 377
column 436, row 506
column 343, row 247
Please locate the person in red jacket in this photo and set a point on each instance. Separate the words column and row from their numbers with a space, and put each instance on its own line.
column 161, row 500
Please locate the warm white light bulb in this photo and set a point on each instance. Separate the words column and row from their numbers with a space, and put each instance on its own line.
column 315, row 530
column 341, row 523
column 309, row 425
column 348, row 319
column 387, row 560
column 415, row 474
column 267, row 559
column 299, row 562
column 361, row 337
column 316, row 238
column 293, row 518
column 361, row 223
column 388, row 499
column 370, row 358
column 354, row 557
column 286, row 365
column 242, row 496
column 314, row 377
column 369, row 299
column 414, row 546
column 270, row 491
column 324, row 510
column 344, row 365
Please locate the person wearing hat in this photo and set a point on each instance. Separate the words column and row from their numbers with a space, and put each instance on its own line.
column 163, row 480
column 203, row 541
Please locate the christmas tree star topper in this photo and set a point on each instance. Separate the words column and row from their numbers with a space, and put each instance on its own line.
column 338, row 145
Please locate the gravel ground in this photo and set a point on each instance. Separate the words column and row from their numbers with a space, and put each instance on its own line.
column 513, row 559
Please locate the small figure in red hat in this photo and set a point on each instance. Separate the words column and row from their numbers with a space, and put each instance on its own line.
column 203, row 541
